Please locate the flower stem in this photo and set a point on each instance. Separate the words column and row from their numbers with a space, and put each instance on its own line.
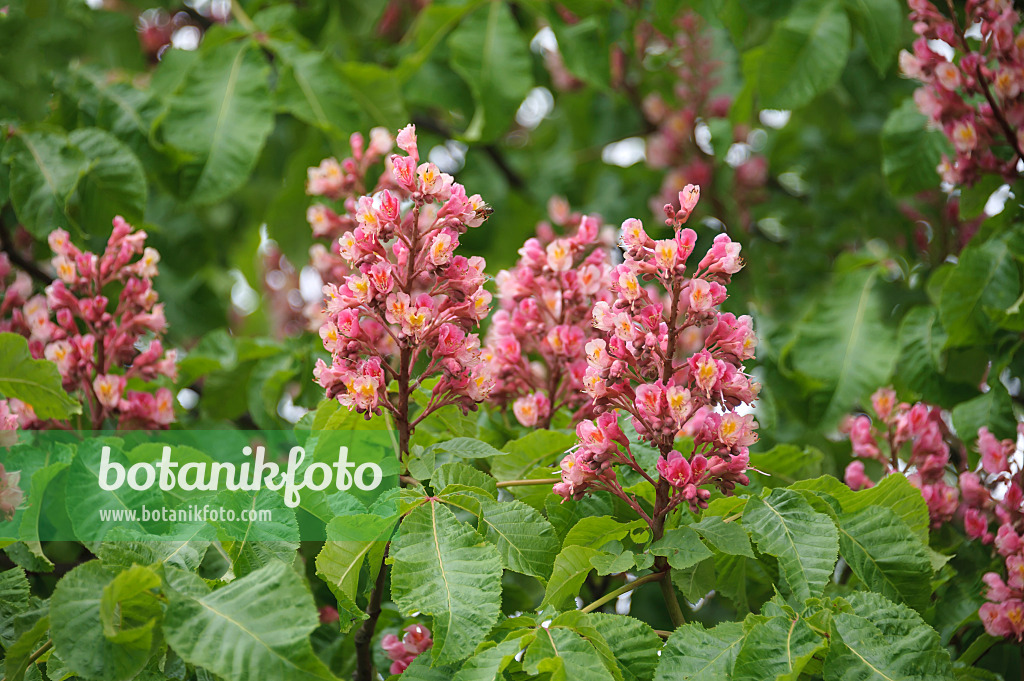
column 625, row 588
column 523, row 483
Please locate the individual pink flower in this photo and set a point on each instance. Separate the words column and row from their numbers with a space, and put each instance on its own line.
column 855, row 476
column 402, row 652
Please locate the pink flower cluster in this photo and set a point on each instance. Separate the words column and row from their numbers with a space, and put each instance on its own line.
column 899, row 424
column 977, row 99
column 993, row 494
column 639, row 365
column 535, row 345
column 11, row 495
column 407, row 293
column 403, row 651
column 673, row 144
column 96, row 344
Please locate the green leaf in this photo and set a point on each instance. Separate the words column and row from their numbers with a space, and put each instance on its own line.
column 880, row 23
column 488, row 662
column 15, row 596
column 985, row 277
column 311, row 88
column 859, row 650
column 845, row 344
column 921, row 361
column 222, row 115
column 885, row 554
column 911, row 151
column 693, row 653
column 445, row 569
column 491, row 54
column 697, row 581
column 725, row 537
column 16, row 659
column 806, row 542
column 974, row 198
column 33, row 381
column 596, row 531
column 993, row 409
column 29, row 529
column 803, row 57
column 566, row 656
column 378, row 91
column 114, row 183
column 776, row 648
column 608, row 564
column 572, row 565
column 45, row 169
column 682, row 547
column 526, row 541
column 634, row 644
column 85, row 637
column 538, row 449
column 264, row 619
column 263, row 541
column 457, row 473
column 784, row 464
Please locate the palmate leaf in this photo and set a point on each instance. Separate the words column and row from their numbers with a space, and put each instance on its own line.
column 985, row 277
column 221, row 116
column 254, row 628
column 806, row 542
column 860, row 651
column 885, row 554
column 33, row 381
column 567, row 655
column 776, row 649
column 844, row 343
column 445, row 569
column 693, row 653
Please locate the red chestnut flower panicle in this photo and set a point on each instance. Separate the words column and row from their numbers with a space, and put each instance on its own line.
column 99, row 346
column 402, row 651
column 921, row 427
column 535, row 345
column 977, row 98
column 993, row 496
column 639, row 366
column 408, row 295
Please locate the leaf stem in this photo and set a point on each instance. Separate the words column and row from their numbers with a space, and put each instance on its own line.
column 243, row 17
column 524, row 483
column 625, row 588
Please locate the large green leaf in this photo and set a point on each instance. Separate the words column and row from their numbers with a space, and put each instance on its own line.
column 252, row 544
column 312, row 89
column 567, row 655
column 985, row 277
column 45, row 168
column 693, row 653
column 682, row 547
column 85, row 635
column 880, row 23
column 861, row 651
column 803, row 57
column 488, row 663
column 15, row 596
column 634, row 644
column 885, row 554
column 572, row 565
column 776, row 648
column 491, row 54
column 910, row 151
column 525, row 539
column 221, row 116
column 33, row 381
column 445, row 569
column 729, row 538
column 806, row 542
column 844, row 342
column 114, row 183
column 922, row 360
column 992, row 409
column 255, row 627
